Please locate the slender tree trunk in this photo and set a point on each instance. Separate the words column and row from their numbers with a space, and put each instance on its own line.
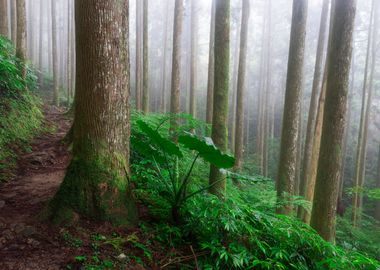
column 366, row 99
column 290, row 126
column 164, row 64
column 41, row 43
column 313, row 108
column 176, row 64
column 68, row 63
column 239, row 130
column 21, row 34
column 145, row 99
column 193, row 69
column 138, row 55
column 55, row 53
column 4, row 29
column 377, row 206
column 211, row 67
column 330, row 158
column 13, row 4
column 221, row 84
column 96, row 184
column 233, row 92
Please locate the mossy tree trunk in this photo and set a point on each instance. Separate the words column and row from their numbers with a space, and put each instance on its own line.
column 239, row 130
column 211, row 67
column 96, row 184
column 55, row 52
column 145, row 99
column 4, row 29
column 221, row 84
column 313, row 108
column 176, row 62
column 330, row 160
column 289, row 138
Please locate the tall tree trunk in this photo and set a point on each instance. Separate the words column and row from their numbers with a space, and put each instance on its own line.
column 13, row 4
column 176, row 64
column 377, row 206
column 145, row 99
column 21, row 34
column 239, row 130
column 4, row 29
column 211, row 67
column 330, row 160
column 193, row 69
column 164, row 63
column 55, row 53
column 96, row 184
column 233, row 92
column 366, row 96
column 221, row 83
column 41, row 43
column 313, row 108
column 68, row 61
column 290, row 126
column 138, row 55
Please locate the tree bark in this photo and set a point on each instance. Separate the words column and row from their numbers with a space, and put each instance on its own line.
column 193, row 69
column 14, row 20
column 211, row 61
column 96, row 184
column 330, row 160
column 176, row 63
column 313, row 108
column 55, row 53
column 164, row 64
column 145, row 99
column 21, row 34
column 138, row 56
column 221, row 83
column 289, row 138
column 4, row 29
column 239, row 130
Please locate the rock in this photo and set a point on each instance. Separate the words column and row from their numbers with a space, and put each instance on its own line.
column 121, row 257
column 2, row 204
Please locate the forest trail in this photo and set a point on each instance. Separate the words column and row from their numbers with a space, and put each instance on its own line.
column 25, row 241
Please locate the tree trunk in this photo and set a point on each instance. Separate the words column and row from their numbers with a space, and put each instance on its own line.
column 145, row 99
column 330, row 160
column 211, row 61
column 193, row 69
column 164, row 64
column 221, row 84
column 138, row 55
column 313, row 108
column 96, row 184
column 176, row 64
column 290, row 126
column 21, row 34
column 41, row 43
column 4, row 29
column 239, row 130
column 55, row 53
column 13, row 4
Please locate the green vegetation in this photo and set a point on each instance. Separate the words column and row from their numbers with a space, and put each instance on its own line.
column 20, row 113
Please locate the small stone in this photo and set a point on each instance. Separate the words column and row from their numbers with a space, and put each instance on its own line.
column 121, row 257
column 2, row 204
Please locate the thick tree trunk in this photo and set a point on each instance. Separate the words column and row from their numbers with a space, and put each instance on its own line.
column 193, row 69
column 96, row 184
column 4, row 29
column 211, row 61
column 145, row 99
column 330, row 158
column 313, row 108
column 221, row 84
column 21, row 34
column 239, row 130
column 176, row 63
column 290, row 126
column 55, row 53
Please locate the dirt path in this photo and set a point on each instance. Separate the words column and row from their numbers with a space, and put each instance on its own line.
column 26, row 242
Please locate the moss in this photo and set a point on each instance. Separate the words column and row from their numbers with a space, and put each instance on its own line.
column 94, row 190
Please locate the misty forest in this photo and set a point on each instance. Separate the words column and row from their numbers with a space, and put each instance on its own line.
column 189, row 134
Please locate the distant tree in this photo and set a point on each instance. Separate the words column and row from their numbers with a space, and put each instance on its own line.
column 14, row 20
column 138, row 79
column 96, row 183
column 377, row 207
column 361, row 151
column 4, row 29
column 313, row 108
column 211, row 61
column 145, row 99
column 221, row 84
column 55, row 53
column 193, row 69
column 41, row 43
column 21, row 33
column 290, row 125
column 329, row 164
column 176, row 64
column 239, row 130
column 164, row 60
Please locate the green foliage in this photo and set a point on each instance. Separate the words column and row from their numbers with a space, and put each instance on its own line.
column 20, row 113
